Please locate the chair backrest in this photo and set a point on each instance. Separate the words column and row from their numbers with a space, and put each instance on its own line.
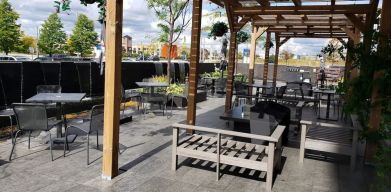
column 49, row 89
column 220, row 84
column 307, row 89
column 240, row 88
column 31, row 117
column 262, row 126
column 281, row 92
column 97, row 113
column 158, row 69
column 3, row 98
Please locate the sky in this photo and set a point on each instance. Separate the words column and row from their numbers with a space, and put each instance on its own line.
column 140, row 23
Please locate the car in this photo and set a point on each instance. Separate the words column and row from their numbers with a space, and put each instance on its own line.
column 7, row 58
column 153, row 58
column 22, row 58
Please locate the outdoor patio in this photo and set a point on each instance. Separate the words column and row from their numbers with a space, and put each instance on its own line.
column 145, row 163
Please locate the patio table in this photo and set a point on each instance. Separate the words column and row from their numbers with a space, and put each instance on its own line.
column 59, row 99
column 151, row 85
column 328, row 92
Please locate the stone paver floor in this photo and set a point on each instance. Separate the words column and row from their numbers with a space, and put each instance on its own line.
column 145, row 162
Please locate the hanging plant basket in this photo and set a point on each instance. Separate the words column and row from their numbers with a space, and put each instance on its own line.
column 218, row 29
column 89, row 1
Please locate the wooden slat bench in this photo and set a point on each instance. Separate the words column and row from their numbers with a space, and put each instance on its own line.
column 229, row 152
column 331, row 138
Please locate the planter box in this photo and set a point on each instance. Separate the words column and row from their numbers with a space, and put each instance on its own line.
column 182, row 102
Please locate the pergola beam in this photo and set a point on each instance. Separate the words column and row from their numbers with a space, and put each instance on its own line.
column 230, row 72
column 315, row 35
column 306, row 10
column 356, row 21
column 276, row 55
column 297, row 2
column 283, row 41
column 263, row 2
column 230, row 16
column 256, row 33
column 194, row 60
column 112, row 95
column 266, row 61
column 309, row 22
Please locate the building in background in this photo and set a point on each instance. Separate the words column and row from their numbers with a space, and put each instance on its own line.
column 127, row 43
column 148, row 49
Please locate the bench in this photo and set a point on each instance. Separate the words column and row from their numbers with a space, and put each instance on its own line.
column 331, row 138
column 215, row 148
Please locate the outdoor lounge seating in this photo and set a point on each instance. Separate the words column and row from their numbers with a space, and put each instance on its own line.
column 32, row 117
column 331, row 138
column 223, row 150
column 93, row 125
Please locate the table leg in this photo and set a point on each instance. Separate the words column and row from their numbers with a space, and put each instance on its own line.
column 328, row 106
column 58, row 116
column 213, row 88
column 257, row 95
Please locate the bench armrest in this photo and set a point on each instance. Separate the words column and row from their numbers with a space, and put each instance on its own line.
column 327, row 125
column 232, row 133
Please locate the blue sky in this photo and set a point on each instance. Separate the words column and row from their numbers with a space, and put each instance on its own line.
column 139, row 22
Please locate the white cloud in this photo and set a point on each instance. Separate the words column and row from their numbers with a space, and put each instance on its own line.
column 141, row 23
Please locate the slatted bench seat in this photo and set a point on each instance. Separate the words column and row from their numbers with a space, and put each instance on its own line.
column 226, row 151
column 331, row 138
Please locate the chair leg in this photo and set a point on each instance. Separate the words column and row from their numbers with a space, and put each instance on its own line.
column 50, row 145
column 88, row 149
column 13, row 141
column 29, row 139
column 97, row 140
column 11, row 124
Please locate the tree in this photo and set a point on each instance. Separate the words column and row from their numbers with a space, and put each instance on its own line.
column 172, row 14
column 9, row 31
column 286, row 55
column 84, row 37
column 52, row 38
column 26, row 43
column 333, row 49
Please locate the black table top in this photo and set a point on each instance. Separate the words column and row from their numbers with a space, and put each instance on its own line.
column 236, row 115
column 56, row 98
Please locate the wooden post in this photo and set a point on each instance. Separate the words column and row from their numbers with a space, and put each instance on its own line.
column 194, row 61
column 266, row 62
column 230, row 71
column 112, row 96
column 356, row 40
column 275, row 69
column 376, row 109
column 257, row 32
column 348, row 61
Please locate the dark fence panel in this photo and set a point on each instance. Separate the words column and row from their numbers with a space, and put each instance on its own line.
column 11, row 76
column 32, row 77
column 51, row 72
column 84, row 73
column 97, row 84
column 70, row 81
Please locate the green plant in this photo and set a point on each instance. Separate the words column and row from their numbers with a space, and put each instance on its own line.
column 175, row 89
column 64, row 5
column 218, row 29
column 242, row 37
column 373, row 58
column 160, row 78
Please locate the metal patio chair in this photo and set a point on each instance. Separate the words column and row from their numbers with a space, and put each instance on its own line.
column 89, row 126
column 33, row 117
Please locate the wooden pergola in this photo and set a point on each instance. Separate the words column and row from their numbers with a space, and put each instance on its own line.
column 286, row 18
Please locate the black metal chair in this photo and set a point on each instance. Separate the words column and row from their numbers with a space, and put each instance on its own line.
column 154, row 99
column 5, row 112
column 32, row 117
column 92, row 125
column 177, row 99
column 221, row 84
column 130, row 96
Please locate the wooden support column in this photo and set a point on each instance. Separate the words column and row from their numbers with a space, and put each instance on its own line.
column 266, row 62
column 230, row 71
column 194, row 61
column 112, row 95
column 376, row 108
column 257, row 32
column 348, row 61
column 275, row 69
column 356, row 40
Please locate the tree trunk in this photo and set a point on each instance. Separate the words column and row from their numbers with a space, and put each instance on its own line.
column 169, row 53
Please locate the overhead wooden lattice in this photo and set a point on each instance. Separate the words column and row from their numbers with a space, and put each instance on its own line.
column 303, row 18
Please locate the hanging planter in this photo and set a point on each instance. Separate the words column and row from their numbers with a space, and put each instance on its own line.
column 218, row 29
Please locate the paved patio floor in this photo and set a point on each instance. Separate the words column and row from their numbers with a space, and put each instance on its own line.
column 145, row 162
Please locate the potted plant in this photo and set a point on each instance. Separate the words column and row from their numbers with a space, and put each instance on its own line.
column 218, row 29
column 176, row 92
